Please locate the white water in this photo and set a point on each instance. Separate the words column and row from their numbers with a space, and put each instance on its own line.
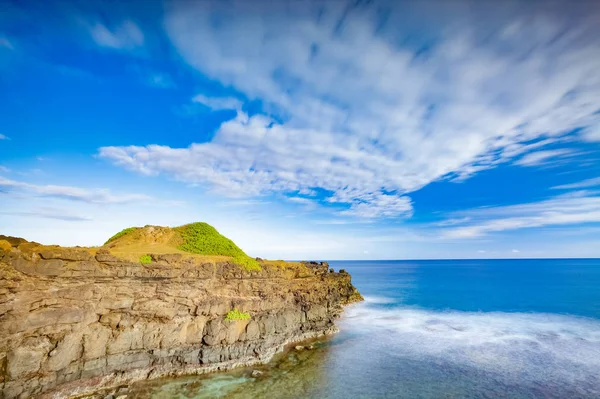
column 516, row 347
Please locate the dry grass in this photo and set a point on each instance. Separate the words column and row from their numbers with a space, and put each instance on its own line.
column 283, row 264
column 132, row 252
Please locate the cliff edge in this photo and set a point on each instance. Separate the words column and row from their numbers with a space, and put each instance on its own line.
column 152, row 302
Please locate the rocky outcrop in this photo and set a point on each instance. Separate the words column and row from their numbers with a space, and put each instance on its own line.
column 73, row 321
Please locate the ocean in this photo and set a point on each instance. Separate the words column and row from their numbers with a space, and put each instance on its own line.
column 439, row 329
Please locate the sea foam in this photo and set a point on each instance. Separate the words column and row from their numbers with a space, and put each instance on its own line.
column 519, row 348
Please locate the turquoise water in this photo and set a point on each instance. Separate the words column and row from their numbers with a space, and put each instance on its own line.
column 440, row 329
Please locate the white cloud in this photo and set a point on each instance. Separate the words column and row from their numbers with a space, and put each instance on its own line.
column 582, row 184
column 4, row 169
column 376, row 205
column 126, row 36
column 515, row 251
column 574, row 208
column 301, row 200
column 97, row 196
column 542, row 157
column 369, row 120
column 592, row 133
column 218, row 103
column 241, row 161
column 3, row 137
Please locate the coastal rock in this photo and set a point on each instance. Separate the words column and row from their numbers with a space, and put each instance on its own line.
column 78, row 321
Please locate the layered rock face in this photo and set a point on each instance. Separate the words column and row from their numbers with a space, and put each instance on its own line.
column 73, row 321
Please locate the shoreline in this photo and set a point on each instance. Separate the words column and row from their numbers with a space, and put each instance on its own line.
column 110, row 385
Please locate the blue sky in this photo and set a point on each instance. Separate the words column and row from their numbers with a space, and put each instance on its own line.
column 325, row 130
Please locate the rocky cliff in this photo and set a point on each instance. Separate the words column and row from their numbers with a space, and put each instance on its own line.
column 76, row 320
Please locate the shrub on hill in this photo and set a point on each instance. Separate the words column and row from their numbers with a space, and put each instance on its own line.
column 202, row 238
column 145, row 259
column 121, row 234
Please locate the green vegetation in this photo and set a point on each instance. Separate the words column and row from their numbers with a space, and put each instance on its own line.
column 202, row 238
column 196, row 238
column 247, row 263
column 236, row 315
column 121, row 234
column 145, row 259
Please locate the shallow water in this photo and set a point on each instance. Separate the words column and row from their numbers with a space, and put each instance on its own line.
column 439, row 329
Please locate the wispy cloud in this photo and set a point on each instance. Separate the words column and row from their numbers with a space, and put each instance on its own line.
column 301, row 200
column 574, row 208
column 307, row 203
column 582, row 184
column 453, row 222
column 160, row 80
column 543, row 157
column 51, row 213
column 244, row 202
column 333, row 222
column 3, row 137
column 445, row 108
column 126, row 36
column 218, row 103
column 96, row 196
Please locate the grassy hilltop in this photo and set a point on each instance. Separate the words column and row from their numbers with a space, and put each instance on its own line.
column 194, row 238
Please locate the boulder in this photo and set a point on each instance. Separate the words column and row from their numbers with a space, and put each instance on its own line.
column 215, row 332
column 111, row 319
column 67, row 350
column 65, row 253
column 195, row 330
column 104, row 255
column 116, row 302
column 26, row 360
column 95, row 339
column 128, row 339
column 252, row 331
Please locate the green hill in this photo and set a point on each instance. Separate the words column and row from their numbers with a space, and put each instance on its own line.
column 194, row 238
